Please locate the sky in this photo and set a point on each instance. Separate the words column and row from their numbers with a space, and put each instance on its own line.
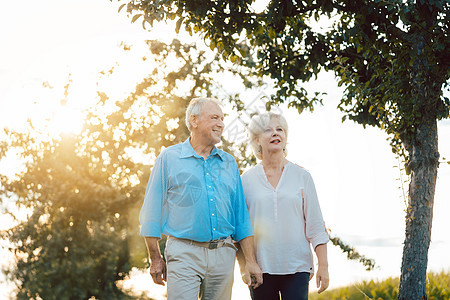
column 356, row 175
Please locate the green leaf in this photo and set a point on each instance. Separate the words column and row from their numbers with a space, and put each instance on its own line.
column 178, row 25
column 122, row 6
column 135, row 17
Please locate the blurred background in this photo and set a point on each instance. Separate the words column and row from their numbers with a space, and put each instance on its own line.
column 88, row 100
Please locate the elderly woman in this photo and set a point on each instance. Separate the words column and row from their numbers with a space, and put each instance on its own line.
column 282, row 202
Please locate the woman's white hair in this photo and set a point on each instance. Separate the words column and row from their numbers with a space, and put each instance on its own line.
column 195, row 108
column 257, row 126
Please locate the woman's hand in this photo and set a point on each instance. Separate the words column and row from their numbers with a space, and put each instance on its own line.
column 322, row 278
column 255, row 276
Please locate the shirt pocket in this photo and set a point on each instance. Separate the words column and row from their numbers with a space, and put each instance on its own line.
column 184, row 189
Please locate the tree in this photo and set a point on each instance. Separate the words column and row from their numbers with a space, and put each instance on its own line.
column 82, row 193
column 392, row 57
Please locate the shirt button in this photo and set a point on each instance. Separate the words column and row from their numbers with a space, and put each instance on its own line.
column 214, row 229
column 207, row 173
column 211, row 199
column 212, row 214
column 209, row 186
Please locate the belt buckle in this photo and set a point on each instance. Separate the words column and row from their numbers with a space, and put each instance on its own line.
column 213, row 245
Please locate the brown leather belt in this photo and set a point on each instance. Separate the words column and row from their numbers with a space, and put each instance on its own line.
column 209, row 245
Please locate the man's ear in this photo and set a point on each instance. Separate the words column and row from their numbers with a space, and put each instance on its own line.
column 193, row 121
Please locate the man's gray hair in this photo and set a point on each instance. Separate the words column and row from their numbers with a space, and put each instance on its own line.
column 195, row 108
column 258, row 124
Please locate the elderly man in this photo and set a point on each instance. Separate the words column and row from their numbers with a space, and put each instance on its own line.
column 195, row 197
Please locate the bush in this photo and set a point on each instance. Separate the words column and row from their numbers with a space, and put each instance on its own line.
column 438, row 288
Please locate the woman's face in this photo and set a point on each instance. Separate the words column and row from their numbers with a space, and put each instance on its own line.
column 273, row 138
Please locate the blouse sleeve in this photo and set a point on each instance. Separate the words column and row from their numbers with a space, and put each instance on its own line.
column 316, row 232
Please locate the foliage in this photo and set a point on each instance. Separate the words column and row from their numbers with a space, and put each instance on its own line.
column 73, row 243
column 371, row 46
column 352, row 253
column 438, row 286
column 82, row 193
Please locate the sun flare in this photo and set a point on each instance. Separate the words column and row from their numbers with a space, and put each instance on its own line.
column 50, row 111
column 65, row 120
column 52, row 118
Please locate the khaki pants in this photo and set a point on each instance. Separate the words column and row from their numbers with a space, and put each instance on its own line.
column 195, row 272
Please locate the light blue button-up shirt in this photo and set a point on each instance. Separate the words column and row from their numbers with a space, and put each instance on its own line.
column 193, row 198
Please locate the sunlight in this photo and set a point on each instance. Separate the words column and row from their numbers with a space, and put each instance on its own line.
column 52, row 119
column 40, row 105
column 65, row 120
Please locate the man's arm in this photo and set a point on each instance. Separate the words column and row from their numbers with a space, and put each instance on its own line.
column 241, row 261
column 251, row 267
column 157, row 264
column 322, row 277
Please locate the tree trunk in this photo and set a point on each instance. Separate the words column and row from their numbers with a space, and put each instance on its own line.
column 423, row 164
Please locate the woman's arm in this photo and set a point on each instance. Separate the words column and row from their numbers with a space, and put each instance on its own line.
column 322, row 277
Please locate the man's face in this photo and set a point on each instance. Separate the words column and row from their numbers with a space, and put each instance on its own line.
column 210, row 123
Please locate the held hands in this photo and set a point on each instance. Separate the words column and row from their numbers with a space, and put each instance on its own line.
column 253, row 275
column 158, row 271
column 322, row 279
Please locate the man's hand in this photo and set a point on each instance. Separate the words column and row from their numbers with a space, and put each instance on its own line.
column 253, row 275
column 158, row 271
column 322, row 279
column 246, row 278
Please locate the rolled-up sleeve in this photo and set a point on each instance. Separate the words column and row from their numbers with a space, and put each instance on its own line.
column 151, row 211
column 316, row 232
column 243, row 223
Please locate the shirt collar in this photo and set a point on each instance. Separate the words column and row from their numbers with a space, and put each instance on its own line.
column 188, row 151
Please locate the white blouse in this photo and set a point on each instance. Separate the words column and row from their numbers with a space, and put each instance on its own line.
column 286, row 219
